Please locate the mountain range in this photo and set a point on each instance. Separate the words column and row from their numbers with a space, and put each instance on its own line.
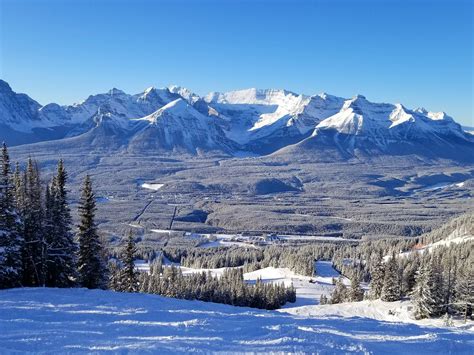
column 244, row 122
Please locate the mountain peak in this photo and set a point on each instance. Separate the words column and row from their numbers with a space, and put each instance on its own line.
column 187, row 94
column 149, row 90
column 5, row 87
column 115, row 92
column 178, row 107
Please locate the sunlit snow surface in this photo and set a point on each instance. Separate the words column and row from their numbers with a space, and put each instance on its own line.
column 151, row 186
column 79, row 320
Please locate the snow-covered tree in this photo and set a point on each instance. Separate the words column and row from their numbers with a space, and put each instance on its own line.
column 391, row 285
column 339, row 294
column 356, row 293
column 424, row 295
column 377, row 280
column 465, row 289
column 11, row 241
column 30, row 207
column 91, row 266
column 323, row 299
column 60, row 241
column 129, row 275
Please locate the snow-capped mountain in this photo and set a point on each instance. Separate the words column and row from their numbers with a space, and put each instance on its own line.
column 386, row 122
column 178, row 125
column 252, row 120
column 265, row 120
column 26, row 121
column 18, row 111
column 374, row 128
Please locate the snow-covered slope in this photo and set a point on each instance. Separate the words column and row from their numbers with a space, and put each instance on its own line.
column 179, row 125
column 79, row 320
column 469, row 130
column 17, row 111
column 382, row 122
column 262, row 118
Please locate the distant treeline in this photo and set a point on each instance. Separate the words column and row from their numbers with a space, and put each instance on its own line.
column 439, row 281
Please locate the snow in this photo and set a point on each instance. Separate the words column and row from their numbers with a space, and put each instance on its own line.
column 102, row 199
column 178, row 124
column 307, row 293
column 80, row 320
column 254, row 113
column 397, row 312
column 152, row 186
column 187, row 94
column 163, row 231
column 440, row 186
column 142, row 265
column 255, row 241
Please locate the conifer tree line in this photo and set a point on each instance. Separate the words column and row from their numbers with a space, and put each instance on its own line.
column 38, row 243
column 439, row 281
column 300, row 260
column 229, row 288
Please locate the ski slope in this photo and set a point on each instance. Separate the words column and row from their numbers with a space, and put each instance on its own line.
column 79, row 320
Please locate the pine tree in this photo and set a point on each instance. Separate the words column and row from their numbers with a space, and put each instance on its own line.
column 11, row 241
column 61, row 247
column 31, row 210
column 339, row 294
column 114, row 276
column 391, row 286
column 465, row 290
column 377, row 280
column 437, row 286
column 425, row 295
column 449, row 275
column 356, row 293
column 129, row 276
column 411, row 267
column 91, row 266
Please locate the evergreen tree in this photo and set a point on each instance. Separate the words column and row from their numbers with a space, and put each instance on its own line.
column 91, row 266
column 129, row 276
column 114, row 276
column 422, row 297
column 61, row 247
column 31, row 210
column 339, row 294
column 323, row 299
column 11, row 241
column 437, row 283
column 465, row 290
column 391, row 286
column 409, row 273
column 356, row 293
column 377, row 281
column 449, row 276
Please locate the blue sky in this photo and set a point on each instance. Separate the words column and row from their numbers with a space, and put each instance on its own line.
column 417, row 52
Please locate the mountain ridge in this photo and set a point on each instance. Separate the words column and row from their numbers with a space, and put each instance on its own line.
column 260, row 121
